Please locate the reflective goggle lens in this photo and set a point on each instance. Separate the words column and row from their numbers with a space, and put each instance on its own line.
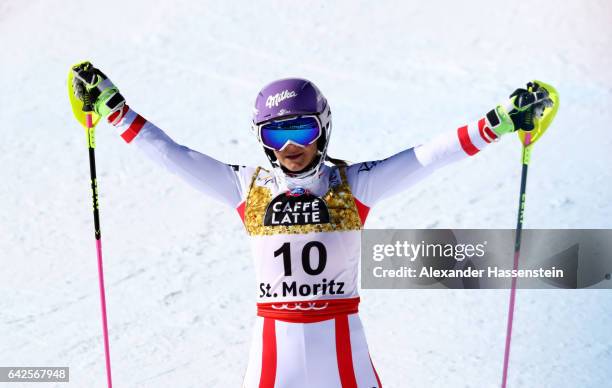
column 302, row 131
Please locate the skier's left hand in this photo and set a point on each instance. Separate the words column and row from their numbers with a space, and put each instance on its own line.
column 523, row 107
column 528, row 104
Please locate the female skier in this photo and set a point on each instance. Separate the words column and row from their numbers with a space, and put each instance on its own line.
column 304, row 217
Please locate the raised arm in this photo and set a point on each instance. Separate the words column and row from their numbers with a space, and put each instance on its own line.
column 376, row 180
column 218, row 180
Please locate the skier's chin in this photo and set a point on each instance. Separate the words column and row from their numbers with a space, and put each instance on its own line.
column 294, row 166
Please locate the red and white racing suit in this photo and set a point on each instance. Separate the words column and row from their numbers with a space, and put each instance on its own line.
column 305, row 238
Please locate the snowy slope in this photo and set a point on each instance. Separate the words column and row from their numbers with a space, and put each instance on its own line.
column 179, row 275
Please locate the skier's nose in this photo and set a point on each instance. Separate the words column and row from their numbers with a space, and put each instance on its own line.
column 292, row 149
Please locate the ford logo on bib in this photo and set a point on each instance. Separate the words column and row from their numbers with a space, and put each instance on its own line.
column 296, row 207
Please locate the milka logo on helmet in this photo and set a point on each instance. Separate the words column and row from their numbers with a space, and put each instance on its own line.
column 277, row 98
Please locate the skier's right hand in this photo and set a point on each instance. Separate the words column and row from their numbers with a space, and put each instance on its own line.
column 91, row 84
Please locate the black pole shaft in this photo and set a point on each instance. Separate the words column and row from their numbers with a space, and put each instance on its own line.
column 517, row 252
column 94, row 192
column 98, row 235
column 521, row 208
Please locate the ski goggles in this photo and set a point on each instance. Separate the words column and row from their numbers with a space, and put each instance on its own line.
column 299, row 130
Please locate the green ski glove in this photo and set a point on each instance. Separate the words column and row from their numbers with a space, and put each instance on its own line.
column 93, row 87
column 524, row 106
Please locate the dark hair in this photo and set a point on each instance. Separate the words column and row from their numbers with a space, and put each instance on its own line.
column 337, row 162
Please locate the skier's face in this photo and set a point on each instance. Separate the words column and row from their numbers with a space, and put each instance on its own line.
column 295, row 158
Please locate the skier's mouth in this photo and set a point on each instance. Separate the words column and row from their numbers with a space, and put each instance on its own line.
column 294, row 156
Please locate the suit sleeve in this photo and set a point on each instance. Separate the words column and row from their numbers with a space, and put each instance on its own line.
column 220, row 181
column 376, row 180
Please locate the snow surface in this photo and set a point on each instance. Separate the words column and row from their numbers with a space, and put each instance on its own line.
column 179, row 277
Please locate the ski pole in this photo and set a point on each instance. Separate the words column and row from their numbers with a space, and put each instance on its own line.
column 517, row 251
column 528, row 139
column 84, row 113
column 98, row 236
